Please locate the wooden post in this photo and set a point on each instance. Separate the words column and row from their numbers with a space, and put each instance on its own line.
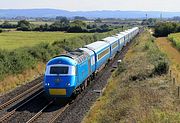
column 178, row 91
column 174, row 81
column 170, row 73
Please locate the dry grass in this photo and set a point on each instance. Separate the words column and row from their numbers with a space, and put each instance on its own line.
column 135, row 95
column 13, row 81
column 173, row 54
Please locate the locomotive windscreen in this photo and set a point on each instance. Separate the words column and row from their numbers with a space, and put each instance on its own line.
column 59, row 70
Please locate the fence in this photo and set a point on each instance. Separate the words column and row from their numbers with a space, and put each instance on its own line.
column 175, row 78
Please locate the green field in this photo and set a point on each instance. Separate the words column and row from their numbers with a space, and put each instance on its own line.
column 33, row 22
column 13, row 40
column 175, row 38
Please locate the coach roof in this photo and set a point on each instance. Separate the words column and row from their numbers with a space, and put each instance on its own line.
column 119, row 36
column 97, row 46
column 110, row 39
column 90, row 52
column 124, row 33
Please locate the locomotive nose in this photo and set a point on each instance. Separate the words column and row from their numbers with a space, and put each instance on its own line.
column 60, row 80
column 60, row 85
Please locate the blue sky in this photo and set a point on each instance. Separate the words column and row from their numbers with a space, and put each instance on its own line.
column 88, row 5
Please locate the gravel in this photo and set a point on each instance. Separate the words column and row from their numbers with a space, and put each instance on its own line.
column 19, row 90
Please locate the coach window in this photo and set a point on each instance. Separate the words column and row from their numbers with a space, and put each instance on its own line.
column 102, row 54
column 114, row 45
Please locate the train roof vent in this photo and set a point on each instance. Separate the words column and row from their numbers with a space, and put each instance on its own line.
column 78, row 55
column 65, row 55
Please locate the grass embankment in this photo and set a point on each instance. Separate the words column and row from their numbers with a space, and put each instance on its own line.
column 140, row 90
column 13, row 40
column 175, row 38
column 173, row 54
column 20, row 65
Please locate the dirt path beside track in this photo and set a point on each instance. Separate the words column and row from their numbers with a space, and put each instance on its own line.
column 173, row 54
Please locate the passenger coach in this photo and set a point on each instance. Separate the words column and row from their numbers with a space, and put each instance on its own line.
column 114, row 45
column 126, row 37
column 102, row 53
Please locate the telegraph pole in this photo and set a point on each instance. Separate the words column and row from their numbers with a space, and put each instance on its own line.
column 146, row 16
column 161, row 16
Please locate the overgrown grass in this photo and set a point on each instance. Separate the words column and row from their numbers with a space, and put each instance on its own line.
column 136, row 93
column 175, row 38
column 157, row 58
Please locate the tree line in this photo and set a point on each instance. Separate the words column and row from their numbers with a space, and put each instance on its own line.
column 165, row 28
column 61, row 24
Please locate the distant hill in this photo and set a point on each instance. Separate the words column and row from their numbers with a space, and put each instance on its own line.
column 9, row 13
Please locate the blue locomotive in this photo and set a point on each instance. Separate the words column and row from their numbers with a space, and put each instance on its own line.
column 72, row 72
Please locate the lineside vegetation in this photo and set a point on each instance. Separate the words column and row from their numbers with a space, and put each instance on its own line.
column 140, row 90
column 175, row 38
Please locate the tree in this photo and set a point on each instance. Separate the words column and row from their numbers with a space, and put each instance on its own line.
column 62, row 20
column 6, row 24
column 78, row 26
column 165, row 28
column 98, row 20
column 61, row 24
column 25, row 25
column 78, row 23
column 23, row 22
column 80, row 18
column 145, row 22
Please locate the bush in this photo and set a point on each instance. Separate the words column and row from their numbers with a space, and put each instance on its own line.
column 1, row 30
column 161, row 68
column 6, row 24
column 24, row 25
column 121, row 68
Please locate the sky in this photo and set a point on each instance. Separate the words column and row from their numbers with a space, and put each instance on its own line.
column 90, row 5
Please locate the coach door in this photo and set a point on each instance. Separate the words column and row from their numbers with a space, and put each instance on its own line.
column 89, row 66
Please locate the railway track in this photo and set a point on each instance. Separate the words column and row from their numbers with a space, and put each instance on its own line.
column 53, row 117
column 9, row 114
column 20, row 96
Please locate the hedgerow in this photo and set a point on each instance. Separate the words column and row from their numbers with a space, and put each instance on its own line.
column 157, row 58
column 175, row 38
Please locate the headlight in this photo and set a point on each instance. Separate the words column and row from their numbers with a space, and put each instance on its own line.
column 68, row 84
column 46, row 84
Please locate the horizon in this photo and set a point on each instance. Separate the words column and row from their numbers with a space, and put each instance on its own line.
column 89, row 10
column 113, row 5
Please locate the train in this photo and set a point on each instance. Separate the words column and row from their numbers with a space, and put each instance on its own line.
column 70, row 73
